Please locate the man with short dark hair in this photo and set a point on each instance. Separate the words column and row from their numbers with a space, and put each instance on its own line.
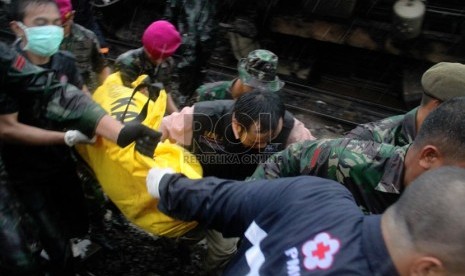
column 311, row 226
column 41, row 116
column 441, row 82
column 375, row 173
column 39, row 39
column 229, row 137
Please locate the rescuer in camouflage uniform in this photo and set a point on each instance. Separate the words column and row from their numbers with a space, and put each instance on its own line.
column 257, row 71
column 376, row 173
column 83, row 43
column 160, row 40
column 441, row 82
column 372, row 171
column 196, row 20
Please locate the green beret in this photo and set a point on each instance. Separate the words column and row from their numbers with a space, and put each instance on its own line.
column 444, row 80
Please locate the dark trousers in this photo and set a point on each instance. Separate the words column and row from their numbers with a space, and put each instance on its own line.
column 59, row 213
column 19, row 254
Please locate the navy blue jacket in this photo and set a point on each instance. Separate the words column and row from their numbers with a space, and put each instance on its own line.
column 296, row 226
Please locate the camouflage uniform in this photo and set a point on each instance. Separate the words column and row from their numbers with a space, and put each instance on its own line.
column 258, row 70
column 220, row 90
column 135, row 62
column 397, row 130
column 196, row 21
column 84, row 44
column 372, row 172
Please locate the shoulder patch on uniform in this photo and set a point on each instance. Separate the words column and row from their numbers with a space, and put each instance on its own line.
column 19, row 62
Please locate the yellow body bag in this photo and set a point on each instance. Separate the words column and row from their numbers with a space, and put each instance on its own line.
column 122, row 171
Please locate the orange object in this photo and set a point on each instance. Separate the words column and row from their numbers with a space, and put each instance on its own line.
column 104, row 50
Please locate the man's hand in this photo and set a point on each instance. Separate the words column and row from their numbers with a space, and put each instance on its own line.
column 146, row 138
column 153, row 180
column 73, row 137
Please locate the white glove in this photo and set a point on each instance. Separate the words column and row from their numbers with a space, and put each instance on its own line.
column 73, row 137
column 153, row 180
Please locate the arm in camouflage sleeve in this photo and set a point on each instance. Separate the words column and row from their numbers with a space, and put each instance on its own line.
column 362, row 132
column 82, row 113
column 75, row 110
column 65, row 105
column 289, row 162
column 383, row 131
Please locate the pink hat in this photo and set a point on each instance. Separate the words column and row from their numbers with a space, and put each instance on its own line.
column 161, row 39
column 65, row 8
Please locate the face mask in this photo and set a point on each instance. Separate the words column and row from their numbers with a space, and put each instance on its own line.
column 43, row 40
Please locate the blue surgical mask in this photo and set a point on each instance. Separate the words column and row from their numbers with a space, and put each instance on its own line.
column 43, row 40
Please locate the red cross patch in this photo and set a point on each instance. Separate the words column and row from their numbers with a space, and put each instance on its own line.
column 319, row 252
column 19, row 62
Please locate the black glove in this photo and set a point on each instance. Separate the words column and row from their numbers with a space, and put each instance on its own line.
column 146, row 138
column 154, row 90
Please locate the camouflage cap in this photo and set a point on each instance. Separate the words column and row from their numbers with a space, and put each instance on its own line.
column 444, row 80
column 259, row 70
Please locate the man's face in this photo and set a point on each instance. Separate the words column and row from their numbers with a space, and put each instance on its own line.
column 36, row 16
column 252, row 137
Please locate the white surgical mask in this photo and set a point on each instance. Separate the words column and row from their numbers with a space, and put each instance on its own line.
column 43, row 40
